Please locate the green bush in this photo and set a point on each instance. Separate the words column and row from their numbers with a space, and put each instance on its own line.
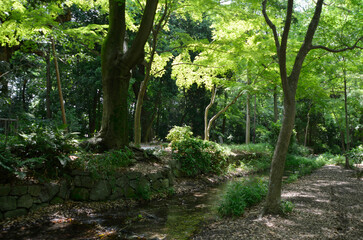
column 177, row 134
column 242, row 194
column 197, row 156
column 356, row 154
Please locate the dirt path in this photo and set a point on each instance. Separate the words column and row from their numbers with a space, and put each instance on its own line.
column 328, row 205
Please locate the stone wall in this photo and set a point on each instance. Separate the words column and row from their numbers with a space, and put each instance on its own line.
column 82, row 186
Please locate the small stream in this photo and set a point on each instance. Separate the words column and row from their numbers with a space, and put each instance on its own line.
column 174, row 218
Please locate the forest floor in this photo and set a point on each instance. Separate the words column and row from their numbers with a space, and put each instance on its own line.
column 328, row 205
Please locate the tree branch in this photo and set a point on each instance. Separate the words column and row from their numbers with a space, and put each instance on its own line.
column 337, row 50
column 136, row 52
column 272, row 26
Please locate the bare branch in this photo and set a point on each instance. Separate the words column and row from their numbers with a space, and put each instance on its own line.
column 338, row 50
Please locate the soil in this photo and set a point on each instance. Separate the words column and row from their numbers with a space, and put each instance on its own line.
column 328, row 205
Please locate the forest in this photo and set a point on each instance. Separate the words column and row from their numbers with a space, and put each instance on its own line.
column 213, row 86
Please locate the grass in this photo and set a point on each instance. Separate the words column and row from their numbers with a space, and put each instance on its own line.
column 261, row 148
column 242, row 194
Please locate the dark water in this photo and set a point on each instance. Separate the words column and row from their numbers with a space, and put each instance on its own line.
column 174, row 218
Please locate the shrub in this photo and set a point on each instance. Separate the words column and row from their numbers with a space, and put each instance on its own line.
column 177, row 134
column 197, row 156
column 356, row 154
column 242, row 194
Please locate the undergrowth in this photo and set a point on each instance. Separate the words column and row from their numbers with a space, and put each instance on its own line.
column 242, row 194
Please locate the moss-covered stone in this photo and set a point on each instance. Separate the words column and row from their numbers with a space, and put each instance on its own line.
column 101, row 191
column 18, row 190
column 80, row 194
column 4, row 190
column 64, row 190
column 16, row 213
column 34, row 190
column 133, row 175
column 48, row 192
column 25, row 201
column 130, row 192
column 117, row 193
column 7, row 203
column 57, row 200
column 83, row 181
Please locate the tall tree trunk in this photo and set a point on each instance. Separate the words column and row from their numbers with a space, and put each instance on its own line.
column 140, row 97
column 206, row 125
column 276, row 110
column 289, row 86
column 278, row 160
column 307, row 126
column 117, row 63
column 49, row 85
column 346, row 119
column 138, row 109
column 59, row 84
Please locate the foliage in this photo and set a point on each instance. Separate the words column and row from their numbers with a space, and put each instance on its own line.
column 261, row 148
column 197, row 156
column 287, row 207
column 242, row 194
column 105, row 164
column 178, row 134
column 38, row 149
column 9, row 164
column 303, row 165
column 356, row 154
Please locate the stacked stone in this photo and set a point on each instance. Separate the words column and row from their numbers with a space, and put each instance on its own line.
column 19, row 200
column 81, row 186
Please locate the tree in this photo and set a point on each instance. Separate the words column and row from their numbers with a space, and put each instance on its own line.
column 289, row 86
column 162, row 21
column 117, row 62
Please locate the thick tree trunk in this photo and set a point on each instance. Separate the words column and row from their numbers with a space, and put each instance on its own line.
column 276, row 110
column 117, row 63
column 289, row 86
column 273, row 198
column 114, row 128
